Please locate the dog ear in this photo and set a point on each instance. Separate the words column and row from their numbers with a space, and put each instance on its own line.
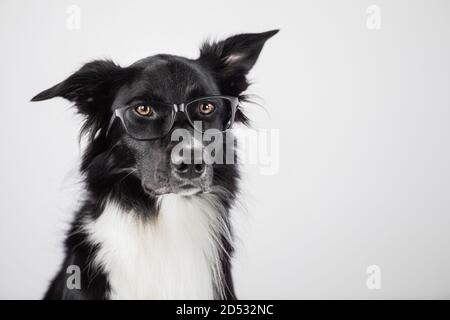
column 89, row 88
column 232, row 59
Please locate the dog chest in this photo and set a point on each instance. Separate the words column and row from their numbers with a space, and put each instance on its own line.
column 176, row 256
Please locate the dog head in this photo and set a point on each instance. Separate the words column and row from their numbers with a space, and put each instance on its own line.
column 138, row 116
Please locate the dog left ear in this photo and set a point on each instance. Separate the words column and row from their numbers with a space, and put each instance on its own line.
column 90, row 88
column 232, row 59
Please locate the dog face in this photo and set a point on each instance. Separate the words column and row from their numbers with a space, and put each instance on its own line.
column 172, row 80
column 156, row 98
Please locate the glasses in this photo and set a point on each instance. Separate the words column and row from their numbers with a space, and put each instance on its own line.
column 153, row 119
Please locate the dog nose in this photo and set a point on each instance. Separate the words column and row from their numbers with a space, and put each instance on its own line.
column 188, row 160
column 189, row 170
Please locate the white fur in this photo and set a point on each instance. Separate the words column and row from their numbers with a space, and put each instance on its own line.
column 174, row 256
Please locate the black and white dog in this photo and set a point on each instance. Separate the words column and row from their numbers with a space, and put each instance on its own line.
column 154, row 224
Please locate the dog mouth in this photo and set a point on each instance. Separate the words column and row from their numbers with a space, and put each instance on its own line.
column 183, row 189
column 189, row 189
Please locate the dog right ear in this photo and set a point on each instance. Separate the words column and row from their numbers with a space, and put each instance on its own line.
column 231, row 59
column 90, row 88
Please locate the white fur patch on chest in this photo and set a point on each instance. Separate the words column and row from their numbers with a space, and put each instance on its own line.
column 175, row 256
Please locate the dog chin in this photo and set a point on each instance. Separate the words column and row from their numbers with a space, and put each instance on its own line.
column 185, row 190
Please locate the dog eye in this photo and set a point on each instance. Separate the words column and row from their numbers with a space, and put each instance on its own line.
column 145, row 111
column 206, row 108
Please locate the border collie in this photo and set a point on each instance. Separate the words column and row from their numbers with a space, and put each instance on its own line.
column 154, row 224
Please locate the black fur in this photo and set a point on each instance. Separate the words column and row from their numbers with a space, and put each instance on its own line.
column 95, row 90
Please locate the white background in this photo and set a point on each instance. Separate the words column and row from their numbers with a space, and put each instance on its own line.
column 363, row 116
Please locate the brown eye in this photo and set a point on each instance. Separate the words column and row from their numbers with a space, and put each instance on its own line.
column 145, row 111
column 206, row 108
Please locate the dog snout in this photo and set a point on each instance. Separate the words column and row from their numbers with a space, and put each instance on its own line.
column 190, row 165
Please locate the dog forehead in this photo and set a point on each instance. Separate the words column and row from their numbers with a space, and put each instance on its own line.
column 172, row 78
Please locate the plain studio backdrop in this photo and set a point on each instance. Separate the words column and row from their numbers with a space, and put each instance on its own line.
column 360, row 94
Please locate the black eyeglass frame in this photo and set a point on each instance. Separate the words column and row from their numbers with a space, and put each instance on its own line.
column 181, row 107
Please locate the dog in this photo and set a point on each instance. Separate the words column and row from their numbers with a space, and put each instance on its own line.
column 153, row 224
